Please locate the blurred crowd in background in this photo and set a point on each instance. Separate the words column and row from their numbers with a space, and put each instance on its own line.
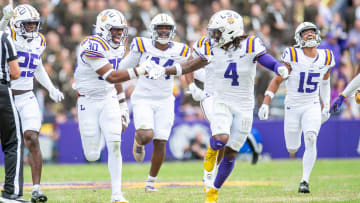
column 66, row 22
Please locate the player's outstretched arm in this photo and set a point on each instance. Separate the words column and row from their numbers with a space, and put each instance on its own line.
column 186, row 67
column 269, row 94
column 109, row 74
column 354, row 84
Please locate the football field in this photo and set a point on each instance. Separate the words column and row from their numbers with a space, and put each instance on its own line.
column 274, row 181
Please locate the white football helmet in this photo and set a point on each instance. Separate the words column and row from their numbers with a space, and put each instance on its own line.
column 309, row 43
column 224, row 26
column 111, row 18
column 25, row 13
column 162, row 19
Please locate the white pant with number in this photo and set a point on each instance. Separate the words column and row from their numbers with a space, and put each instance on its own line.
column 29, row 111
column 154, row 114
column 300, row 119
column 232, row 121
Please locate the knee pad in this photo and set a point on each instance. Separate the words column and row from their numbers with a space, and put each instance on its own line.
column 310, row 137
column 92, row 156
column 216, row 144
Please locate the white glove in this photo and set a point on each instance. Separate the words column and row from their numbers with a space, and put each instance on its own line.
column 325, row 113
column 156, row 72
column 56, row 95
column 283, row 72
column 124, row 114
column 263, row 112
column 8, row 12
column 197, row 93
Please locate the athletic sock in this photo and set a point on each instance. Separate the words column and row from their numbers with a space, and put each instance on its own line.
column 225, row 168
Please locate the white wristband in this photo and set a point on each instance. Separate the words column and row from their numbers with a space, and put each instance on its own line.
column 131, row 73
column 121, row 96
column 178, row 69
column 107, row 74
column 270, row 93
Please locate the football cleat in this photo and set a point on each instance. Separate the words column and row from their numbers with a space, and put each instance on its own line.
column 212, row 196
column 150, row 189
column 14, row 199
column 208, row 179
column 138, row 152
column 210, row 159
column 38, row 197
column 120, row 199
column 304, row 187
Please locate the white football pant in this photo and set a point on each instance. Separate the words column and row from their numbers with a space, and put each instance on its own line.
column 29, row 111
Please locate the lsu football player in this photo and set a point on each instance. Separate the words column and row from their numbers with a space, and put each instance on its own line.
column 101, row 105
column 310, row 76
column 235, row 56
column 350, row 88
column 30, row 44
column 153, row 100
column 205, row 97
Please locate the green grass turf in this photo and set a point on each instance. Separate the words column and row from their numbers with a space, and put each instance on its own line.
column 331, row 181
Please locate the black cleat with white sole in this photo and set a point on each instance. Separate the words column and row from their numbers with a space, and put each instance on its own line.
column 304, row 187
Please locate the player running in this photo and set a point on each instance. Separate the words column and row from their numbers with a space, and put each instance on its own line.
column 235, row 55
column 310, row 74
column 153, row 100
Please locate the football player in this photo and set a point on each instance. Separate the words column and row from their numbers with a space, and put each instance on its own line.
column 153, row 100
column 310, row 74
column 205, row 97
column 235, row 55
column 101, row 105
column 350, row 88
column 30, row 44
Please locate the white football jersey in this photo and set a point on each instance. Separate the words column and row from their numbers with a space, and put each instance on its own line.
column 94, row 53
column 302, row 86
column 162, row 88
column 203, row 46
column 29, row 57
column 235, row 73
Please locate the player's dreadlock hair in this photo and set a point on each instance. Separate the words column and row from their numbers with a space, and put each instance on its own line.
column 236, row 43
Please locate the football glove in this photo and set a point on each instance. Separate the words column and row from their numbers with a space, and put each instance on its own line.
column 8, row 12
column 125, row 117
column 283, row 72
column 263, row 112
column 156, row 72
column 337, row 104
column 197, row 93
column 325, row 114
column 56, row 95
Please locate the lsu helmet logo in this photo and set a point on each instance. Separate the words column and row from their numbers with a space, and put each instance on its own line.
column 230, row 20
column 103, row 18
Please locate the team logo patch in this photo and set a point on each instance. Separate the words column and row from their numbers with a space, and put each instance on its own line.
column 103, row 18
column 230, row 20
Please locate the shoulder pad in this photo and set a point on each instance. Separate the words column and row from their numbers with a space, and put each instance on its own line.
column 94, row 47
column 254, row 45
